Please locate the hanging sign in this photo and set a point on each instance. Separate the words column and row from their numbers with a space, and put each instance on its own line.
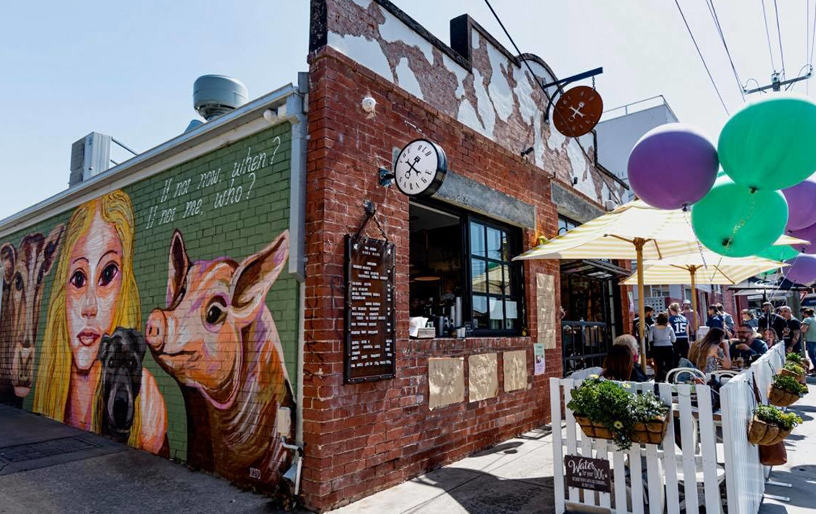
column 370, row 321
column 578, row 111
column 586, row 473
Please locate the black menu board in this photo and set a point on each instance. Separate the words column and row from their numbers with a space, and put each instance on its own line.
column 370, row 321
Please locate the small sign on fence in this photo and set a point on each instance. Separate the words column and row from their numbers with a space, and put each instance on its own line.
column 585, row 473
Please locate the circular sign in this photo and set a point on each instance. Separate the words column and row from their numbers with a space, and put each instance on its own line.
column 578, row 111
column 420, row 168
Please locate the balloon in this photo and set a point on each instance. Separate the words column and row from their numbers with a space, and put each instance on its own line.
column 733, row 221
column 778, row 253
column 770, row 144
column 808, row 234
column 672, row 166
column 802, row 269
column 801, row 204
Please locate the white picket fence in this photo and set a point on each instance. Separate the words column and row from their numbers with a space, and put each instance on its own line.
column 661, row 486
column 746, row 475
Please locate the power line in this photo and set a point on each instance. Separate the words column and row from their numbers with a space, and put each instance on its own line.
column 768, row 35
column 701, row 57
column 716, row 19
column 779, row 34
column 535, row 79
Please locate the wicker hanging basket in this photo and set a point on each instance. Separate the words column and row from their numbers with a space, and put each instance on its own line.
column 780, row 397
column 765, row 434
column 651, row 432
column 593, row 428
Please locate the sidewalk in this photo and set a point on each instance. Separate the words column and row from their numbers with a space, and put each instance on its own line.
column 48, row 467
column 512, row 477
column 800, row 471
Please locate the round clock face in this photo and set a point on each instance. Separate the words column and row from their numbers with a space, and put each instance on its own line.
column 420, row 168
column 578, row 111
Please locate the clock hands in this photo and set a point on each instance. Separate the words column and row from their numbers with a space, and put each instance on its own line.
column 411, row 166
column 577, row 111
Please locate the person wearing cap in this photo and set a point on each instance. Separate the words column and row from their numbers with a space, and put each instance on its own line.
column 769, row 319
column 693, row 319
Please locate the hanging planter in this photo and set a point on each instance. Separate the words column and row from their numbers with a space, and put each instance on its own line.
column 785, row 390
column 771, row 426
column 606, row 410
column 794, row 367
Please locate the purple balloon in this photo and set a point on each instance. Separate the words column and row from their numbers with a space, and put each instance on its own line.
column 672, row 166
column 801, row 204
column 808, row 234
column 802, row 269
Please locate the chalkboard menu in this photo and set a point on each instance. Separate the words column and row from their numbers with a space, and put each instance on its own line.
column 370, row 323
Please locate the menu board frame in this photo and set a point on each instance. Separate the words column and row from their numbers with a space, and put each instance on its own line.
column 386, row 263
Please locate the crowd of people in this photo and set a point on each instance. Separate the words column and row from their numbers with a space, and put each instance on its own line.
column 723, row 343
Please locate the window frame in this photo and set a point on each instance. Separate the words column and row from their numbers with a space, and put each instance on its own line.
column 515, row 237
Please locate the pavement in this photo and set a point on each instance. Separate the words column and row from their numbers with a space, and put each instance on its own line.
column 512, row 477
column 800, row 471
column 48, row 467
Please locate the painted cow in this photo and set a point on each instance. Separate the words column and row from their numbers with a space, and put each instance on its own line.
column 218, row 340
column 24, row 272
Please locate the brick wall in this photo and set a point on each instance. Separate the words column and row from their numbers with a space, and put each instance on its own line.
column 364, row 437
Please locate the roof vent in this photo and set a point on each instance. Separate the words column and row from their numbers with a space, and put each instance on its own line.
column 214, row 95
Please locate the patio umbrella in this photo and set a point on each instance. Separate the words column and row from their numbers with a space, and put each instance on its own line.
column 704, row 267
column 634, row 230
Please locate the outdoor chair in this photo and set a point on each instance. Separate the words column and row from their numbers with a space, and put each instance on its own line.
column 684, row 375
column 585, row 373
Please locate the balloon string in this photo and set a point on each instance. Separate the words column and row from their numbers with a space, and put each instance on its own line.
column 697, row 240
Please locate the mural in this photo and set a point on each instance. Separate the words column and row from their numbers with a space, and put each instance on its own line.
column 24, row 272
column 215, row 319
column 145, row 345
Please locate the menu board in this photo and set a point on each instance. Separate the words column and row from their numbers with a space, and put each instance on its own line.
column 370, row 320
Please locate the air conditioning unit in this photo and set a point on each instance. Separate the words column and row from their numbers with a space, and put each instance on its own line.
column 90, row 156
column 610, row 205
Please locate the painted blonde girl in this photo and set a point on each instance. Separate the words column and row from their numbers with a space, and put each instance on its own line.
column 94, row 292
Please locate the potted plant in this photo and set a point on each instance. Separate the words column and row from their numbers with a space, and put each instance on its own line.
column 651, row 421
column 794, row 358
column 794, row 370
column 770, row 425
column 606, row 410
column 785, row 390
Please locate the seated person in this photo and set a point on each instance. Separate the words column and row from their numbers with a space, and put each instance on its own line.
column 618, row 364
column 711, row 353
column 630, row 343
column 749, row 345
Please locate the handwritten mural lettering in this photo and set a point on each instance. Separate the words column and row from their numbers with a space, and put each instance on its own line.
column 242, row 177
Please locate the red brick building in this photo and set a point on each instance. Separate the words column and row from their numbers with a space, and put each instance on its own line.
column 449, row 396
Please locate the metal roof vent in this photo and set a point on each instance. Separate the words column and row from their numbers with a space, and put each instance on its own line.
column 214, row 95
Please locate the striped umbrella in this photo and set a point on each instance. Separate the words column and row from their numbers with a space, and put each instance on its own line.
column 632, row 231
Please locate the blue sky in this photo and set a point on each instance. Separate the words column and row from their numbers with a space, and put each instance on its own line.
column 127, row 69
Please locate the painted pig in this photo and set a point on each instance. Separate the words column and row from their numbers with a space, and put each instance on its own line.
column 24, row 273
column 218, row 340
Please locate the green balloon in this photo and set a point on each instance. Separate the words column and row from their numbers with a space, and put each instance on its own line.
column 778, row 253
column 770, row 144
column 733, row 221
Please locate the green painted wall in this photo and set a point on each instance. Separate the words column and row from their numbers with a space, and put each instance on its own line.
column 231, row 202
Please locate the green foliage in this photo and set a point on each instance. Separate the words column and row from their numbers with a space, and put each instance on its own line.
column 794, row 368
column 771, row 414
column 609, row 403
column 794, row 358
column 789, row 384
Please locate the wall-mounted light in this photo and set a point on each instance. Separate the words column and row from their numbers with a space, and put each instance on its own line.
column 525, row 153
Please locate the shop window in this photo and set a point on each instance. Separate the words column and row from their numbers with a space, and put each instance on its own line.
column 461, row 270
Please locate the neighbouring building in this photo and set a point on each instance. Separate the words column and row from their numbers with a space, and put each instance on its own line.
column 244, row 292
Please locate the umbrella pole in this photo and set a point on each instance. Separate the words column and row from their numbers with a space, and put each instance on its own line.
column 639, row 242
column 693, row 271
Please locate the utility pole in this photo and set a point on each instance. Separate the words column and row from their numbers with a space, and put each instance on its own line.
column 776, row 84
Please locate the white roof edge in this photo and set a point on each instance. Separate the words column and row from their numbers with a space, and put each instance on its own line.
column 205, row 132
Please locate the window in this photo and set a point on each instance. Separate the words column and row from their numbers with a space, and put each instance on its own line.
column 565, row 225
column 460, row 258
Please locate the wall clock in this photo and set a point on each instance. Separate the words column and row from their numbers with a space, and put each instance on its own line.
column 420, row 168
column 578, row 111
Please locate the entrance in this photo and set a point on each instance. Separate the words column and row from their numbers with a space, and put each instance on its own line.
column 590, row 297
